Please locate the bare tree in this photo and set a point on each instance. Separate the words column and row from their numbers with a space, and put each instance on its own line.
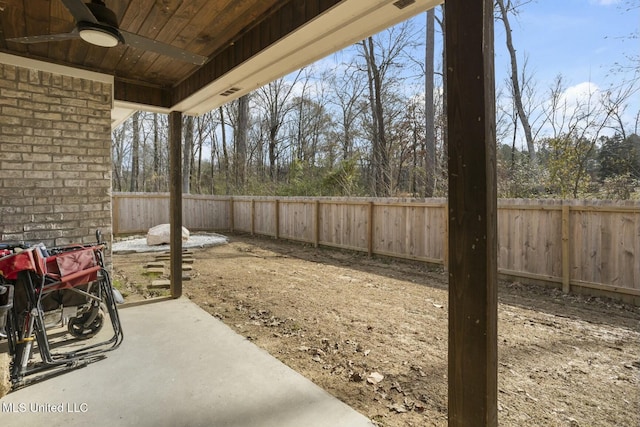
column 380, row 164
column 156, row 153
column 615, row 101
column 443, row 29
column 135, row 152
column 576, row 125
column 346, row 96
column 187, row 153
column 240, row 147
column 225, row 153
column 204, row 137
column 383, row 56
column 274, row 100
column 119, row 152
column 429, row 107
column 504, row 10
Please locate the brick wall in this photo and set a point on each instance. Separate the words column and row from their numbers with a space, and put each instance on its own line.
column 55, row 157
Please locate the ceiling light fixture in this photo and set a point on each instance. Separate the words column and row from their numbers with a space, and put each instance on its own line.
column 99, row 35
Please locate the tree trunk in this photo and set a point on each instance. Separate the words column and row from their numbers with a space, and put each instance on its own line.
column 241, row 141
column 187, row 154
column 374, row 166
column 273, row 168
column 135, row 152
column 430, row 112
column 156, row 154
column 117, row 156
column 517, row 93
column 380, row 170
column 200, row 122
column 445, row 131
column 225, row 153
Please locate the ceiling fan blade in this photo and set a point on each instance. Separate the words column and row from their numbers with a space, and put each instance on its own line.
column 80, row 11
column 46, row 38
column 144, row 43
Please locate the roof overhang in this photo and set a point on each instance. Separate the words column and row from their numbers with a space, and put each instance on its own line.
column 344, row 24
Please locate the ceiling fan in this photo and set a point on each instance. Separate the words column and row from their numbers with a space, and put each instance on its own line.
column 98, row 25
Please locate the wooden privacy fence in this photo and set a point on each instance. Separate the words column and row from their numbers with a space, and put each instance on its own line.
column 580, row 244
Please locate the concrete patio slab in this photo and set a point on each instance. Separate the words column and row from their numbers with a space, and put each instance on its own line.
column 178, row 366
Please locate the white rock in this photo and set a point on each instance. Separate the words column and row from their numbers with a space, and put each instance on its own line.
column 159, row 235
column 375, row 378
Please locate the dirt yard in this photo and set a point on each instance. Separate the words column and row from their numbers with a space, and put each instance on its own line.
column 373, row 332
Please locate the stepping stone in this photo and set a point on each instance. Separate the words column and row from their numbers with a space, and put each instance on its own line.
column 155, row 264
column 184, row 260
column 154, row 270
column 165, row 283
column 160, row 284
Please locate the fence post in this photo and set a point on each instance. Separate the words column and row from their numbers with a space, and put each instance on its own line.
column 445, row 240
column 566, row 253
column 316, row 224
column 231, row 220
column 253, row 216
column 277, row 219
column 370, row 230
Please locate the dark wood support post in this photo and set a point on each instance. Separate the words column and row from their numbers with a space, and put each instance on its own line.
column 175, row 201
column 473, row 373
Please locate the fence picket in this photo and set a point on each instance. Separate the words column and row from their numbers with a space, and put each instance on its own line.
column 588, row 244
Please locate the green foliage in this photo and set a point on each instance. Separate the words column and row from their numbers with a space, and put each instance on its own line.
column 517, row 178
column 619, row 157
column 301, row 182
column 620, row 187
column 343, row 179
column 568, row 161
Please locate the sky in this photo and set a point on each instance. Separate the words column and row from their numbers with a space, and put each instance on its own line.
column 585, row 41
column 582, row 39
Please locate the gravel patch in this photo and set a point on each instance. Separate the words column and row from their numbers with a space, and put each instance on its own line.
column 139, row 244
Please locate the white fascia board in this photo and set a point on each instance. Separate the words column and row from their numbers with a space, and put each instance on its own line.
column 343, row 25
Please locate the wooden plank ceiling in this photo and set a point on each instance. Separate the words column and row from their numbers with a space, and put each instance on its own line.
column 259, row 40
column 204, row 27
